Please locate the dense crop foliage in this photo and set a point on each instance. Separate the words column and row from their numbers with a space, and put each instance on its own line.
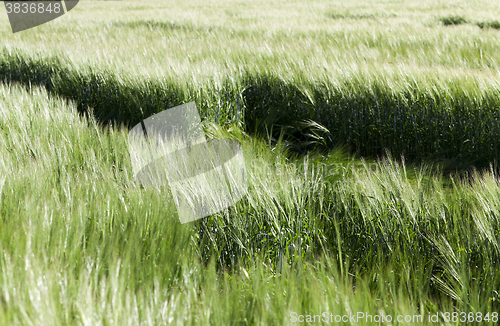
column 81, row 240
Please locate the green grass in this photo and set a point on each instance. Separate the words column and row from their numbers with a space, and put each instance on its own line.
column 307, row 94
column 82, row 242
column 198, row 40
column 401, row 81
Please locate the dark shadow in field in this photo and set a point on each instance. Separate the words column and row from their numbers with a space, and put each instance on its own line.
column 110, row 100
column 453, row 20
column 460, row 131
column 459, row 20
column 495, row 24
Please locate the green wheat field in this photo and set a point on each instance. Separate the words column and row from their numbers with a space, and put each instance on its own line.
column 371, row 136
